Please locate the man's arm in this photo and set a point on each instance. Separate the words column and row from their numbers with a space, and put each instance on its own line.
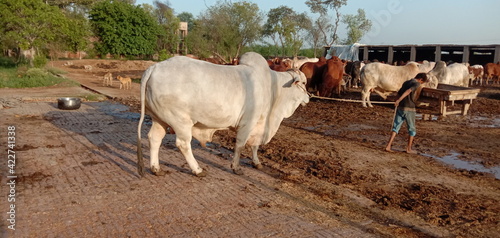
column 406, row 93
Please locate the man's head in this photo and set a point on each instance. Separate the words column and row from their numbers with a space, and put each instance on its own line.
column 422, row 77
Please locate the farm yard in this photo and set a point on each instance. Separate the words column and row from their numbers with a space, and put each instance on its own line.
column 325, row 172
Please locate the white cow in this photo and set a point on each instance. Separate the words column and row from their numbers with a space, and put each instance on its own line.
column 426, row 66
column 385, row 79
column 454, row 74
column 197, row 98
column 299, row 62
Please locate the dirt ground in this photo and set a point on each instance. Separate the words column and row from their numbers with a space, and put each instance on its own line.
column 332, row 152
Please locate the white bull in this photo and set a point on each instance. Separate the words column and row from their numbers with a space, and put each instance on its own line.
column 385, row 79
column 454, row 74
column 197, row 98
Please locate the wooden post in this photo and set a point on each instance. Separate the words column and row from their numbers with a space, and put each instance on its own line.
column 413, row 53
column 465, row 55
column 365, row 53
column 438, row 53
column 497, row 54
column 390, row 55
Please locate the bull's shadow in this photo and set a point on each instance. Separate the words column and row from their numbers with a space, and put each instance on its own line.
column 112, row 130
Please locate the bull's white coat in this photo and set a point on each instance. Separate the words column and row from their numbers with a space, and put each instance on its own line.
column 454, row 74
column 197, row 98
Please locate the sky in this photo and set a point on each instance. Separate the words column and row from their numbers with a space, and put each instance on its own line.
column 397, row 22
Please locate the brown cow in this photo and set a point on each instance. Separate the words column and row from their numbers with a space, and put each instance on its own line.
column 313, row 72
column 332, row 77
column 476, row 74
column 492, row 71
column 279, row 65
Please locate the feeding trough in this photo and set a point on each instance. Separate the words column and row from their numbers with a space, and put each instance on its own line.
column 447, row 95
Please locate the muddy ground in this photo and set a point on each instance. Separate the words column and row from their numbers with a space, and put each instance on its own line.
column 333, row 152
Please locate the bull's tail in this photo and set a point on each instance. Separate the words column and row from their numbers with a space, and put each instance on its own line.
column 144, row 81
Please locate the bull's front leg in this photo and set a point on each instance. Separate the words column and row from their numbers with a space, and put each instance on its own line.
column 235, row 165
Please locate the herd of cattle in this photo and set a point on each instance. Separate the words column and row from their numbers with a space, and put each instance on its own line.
column 196, row 98
column 327, row 77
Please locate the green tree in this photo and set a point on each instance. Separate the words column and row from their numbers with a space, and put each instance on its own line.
column 72, row 5
column 284, row 27
column 79, row 33
column 123, row 29
column 77, row 37
column 168, row 37
column 224, row 29
column 29, row 25
column 317, row 36
column 321, row 7
column 357, row 26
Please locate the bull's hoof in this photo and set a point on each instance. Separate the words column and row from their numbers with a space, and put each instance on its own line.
column 158, row 172
column 257, row 166
column 238, row 171
column 201, row 174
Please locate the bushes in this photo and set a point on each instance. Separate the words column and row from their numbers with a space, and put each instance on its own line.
column 164, row 55
column 6, row 62
column 39, row 61
column 24, row 77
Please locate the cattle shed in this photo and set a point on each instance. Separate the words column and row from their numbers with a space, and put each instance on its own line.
column 472, row 54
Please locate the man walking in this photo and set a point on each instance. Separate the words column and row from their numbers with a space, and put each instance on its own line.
column 406, row 110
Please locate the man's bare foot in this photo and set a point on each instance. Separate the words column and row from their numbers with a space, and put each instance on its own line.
column 412, row 152
column 388, row 149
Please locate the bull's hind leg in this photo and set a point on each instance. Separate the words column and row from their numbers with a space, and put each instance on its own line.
column 241, row 140
column 235, row 165
column 183, row 142
column 255, row 159
column 155, row 137
column 365, row 97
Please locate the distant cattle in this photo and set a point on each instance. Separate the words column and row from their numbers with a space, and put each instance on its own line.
column 313, row 72
column 297, row 63
column 476, row 73
column 426, row 66
column 332, row 78
column 249, row 98
column 280, row 65
column 492, row 72
column 353, row 69
column 385, row 79
column 454, row 74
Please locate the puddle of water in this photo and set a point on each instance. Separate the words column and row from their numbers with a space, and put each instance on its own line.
column 426, row 117
column 478, row 121
column 474, row 121
column 119, row 111
column 453, row 159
